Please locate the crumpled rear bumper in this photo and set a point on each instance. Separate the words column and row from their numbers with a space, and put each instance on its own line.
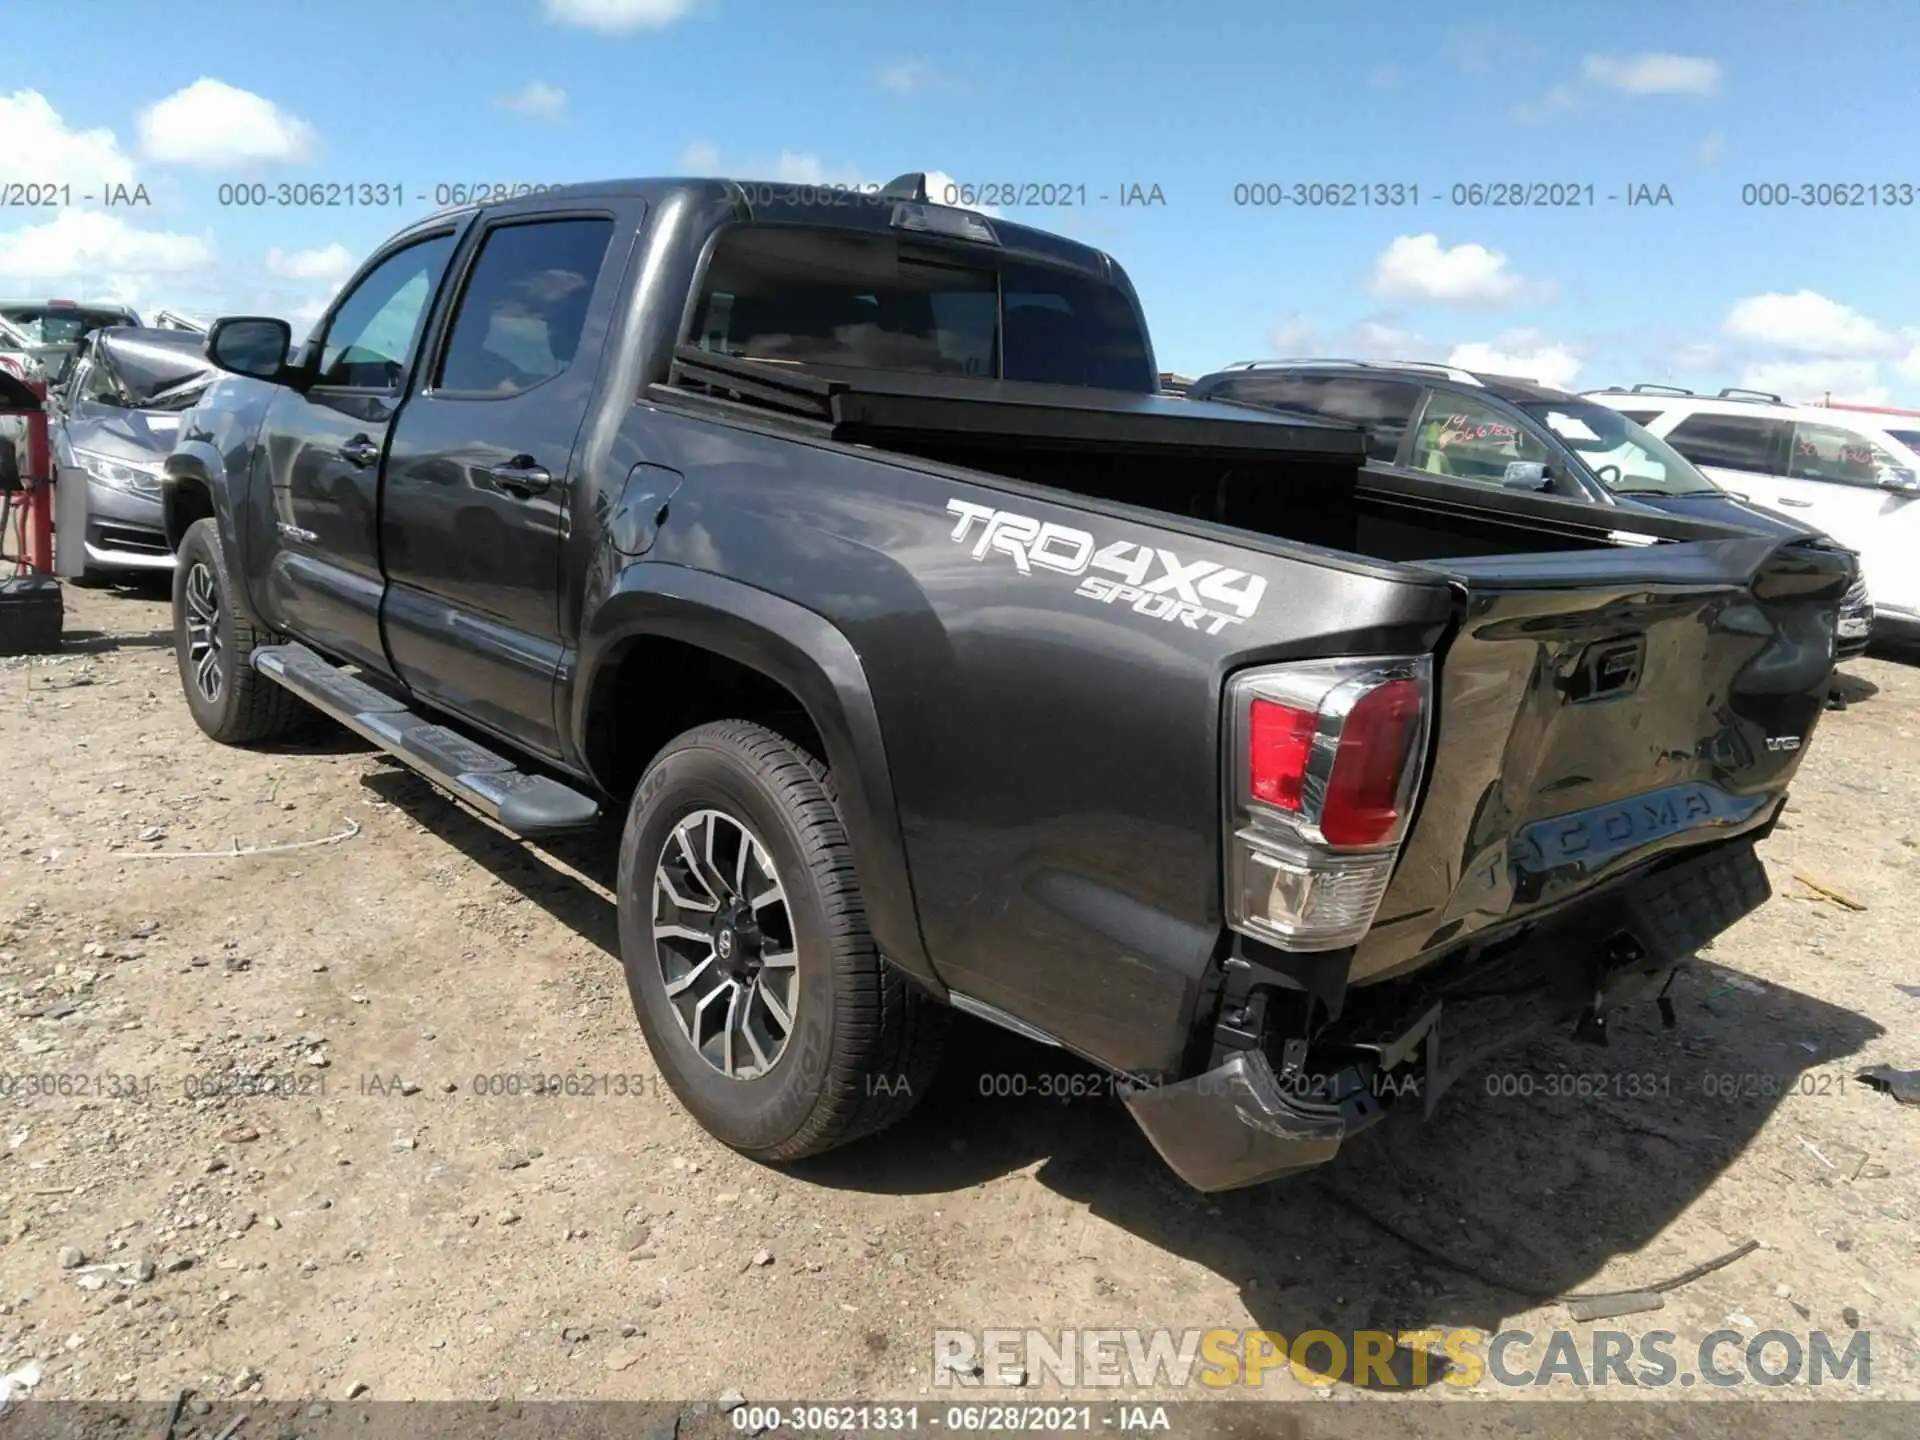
column 1241, row 1123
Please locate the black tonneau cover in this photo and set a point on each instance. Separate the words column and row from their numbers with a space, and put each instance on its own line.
column 898, row 408
column 866, row 405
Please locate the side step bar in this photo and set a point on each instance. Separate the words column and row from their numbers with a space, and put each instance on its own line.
column 528, row 805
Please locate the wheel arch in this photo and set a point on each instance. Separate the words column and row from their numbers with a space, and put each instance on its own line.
column 740, row 648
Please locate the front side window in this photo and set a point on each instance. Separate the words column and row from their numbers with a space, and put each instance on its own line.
column 1733, row 442
column 524, row 305
column 373, row 332
column 842, row 299
column 1839, row 457
column 1383, row 407
column 1469, row 440
column 1625, row 458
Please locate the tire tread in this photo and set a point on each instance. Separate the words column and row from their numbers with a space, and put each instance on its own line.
column 885, row 1027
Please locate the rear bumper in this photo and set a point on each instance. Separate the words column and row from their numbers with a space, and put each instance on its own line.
column 1243, row 1123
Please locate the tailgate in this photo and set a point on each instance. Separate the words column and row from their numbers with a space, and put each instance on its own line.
column 1598, row 708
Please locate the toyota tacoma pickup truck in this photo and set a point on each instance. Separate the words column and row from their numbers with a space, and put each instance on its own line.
column 845, row 545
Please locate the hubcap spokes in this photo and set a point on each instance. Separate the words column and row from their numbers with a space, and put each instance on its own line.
column 203, row 632
column 723, row 936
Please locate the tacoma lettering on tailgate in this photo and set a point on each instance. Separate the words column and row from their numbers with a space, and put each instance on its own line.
column 1198, row 594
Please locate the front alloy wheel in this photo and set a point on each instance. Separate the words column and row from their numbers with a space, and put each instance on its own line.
column 724, row 940
column 204, row 656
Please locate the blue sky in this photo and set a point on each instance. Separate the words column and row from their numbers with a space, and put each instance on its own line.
column 1703, row 99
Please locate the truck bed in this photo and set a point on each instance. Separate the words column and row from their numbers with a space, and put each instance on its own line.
column 1658, row 689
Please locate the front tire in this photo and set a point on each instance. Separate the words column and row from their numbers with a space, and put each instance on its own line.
column 799, row 1037
column 214, row 635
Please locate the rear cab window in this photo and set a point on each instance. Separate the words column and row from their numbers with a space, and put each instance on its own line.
column 845, row 299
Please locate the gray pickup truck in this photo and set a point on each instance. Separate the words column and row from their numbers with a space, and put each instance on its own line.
column 844, row 544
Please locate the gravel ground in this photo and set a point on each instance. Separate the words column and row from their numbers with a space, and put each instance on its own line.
column 403, row 1217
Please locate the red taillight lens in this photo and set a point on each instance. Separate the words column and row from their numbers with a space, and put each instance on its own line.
column 1363, row 795
column 1281, row 741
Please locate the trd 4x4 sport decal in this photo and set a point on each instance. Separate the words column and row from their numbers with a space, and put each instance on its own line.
column 1199, row 595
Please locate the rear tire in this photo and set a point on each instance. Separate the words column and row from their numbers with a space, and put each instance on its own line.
column 214, row 635
column 861, row 1043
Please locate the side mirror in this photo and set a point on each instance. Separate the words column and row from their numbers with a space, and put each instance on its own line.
column 1900, row 481
column 1527, row 475
column 251, row 345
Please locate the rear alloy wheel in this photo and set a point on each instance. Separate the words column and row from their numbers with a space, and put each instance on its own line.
column 723, row 931
column 744, row 938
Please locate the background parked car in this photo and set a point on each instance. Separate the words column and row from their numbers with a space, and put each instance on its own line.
column 115, row 420
column 1855, row 475
column 55, row 328
column 1513, row 432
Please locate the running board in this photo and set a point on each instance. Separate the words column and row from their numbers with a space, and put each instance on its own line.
column 528, row 805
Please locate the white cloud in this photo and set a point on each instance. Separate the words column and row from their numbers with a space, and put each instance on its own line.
column 796, row 168
column 101, row 256
column 614, row 17
column 301, row 315
column 1418, row 267
column 39, row 146
column 1810, row 323
column 213, row 124
column 1654, row 74
column 905, row 77
column 1856, row 381
column 1525, row 353
column 77, row 242
column 940, row 185
column 793, row 167
column 1559, row 100
column 700, row 158
column 1370, row 338
column 1294, row 333
column 537, row 99
column 332, row 263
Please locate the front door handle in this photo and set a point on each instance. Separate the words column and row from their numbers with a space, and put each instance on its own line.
column 523, row 476
column 360, row 451
column 1797, row 504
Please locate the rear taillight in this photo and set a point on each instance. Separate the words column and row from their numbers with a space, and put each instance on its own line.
column 1327, row 761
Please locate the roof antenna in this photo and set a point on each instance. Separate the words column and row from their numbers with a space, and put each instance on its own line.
column 911, row 186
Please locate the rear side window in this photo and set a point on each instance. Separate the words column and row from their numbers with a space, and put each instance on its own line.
column 1383, row 406
column 838, row 298
column 1734, row 442
column 1840, row 457
column 524, row 305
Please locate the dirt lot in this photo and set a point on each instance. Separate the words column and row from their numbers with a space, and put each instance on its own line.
column 403, row 1224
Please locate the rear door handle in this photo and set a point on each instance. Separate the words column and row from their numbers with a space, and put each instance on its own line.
column 1797, row 504
column 360, row 451
column 522, row 477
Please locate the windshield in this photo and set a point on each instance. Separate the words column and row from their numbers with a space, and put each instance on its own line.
column 831, row 297
column 1624, row 457
column 1908, row 438
column 45, row 325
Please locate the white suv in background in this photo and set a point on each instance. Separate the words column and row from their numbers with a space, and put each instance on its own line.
column 1853, row 474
